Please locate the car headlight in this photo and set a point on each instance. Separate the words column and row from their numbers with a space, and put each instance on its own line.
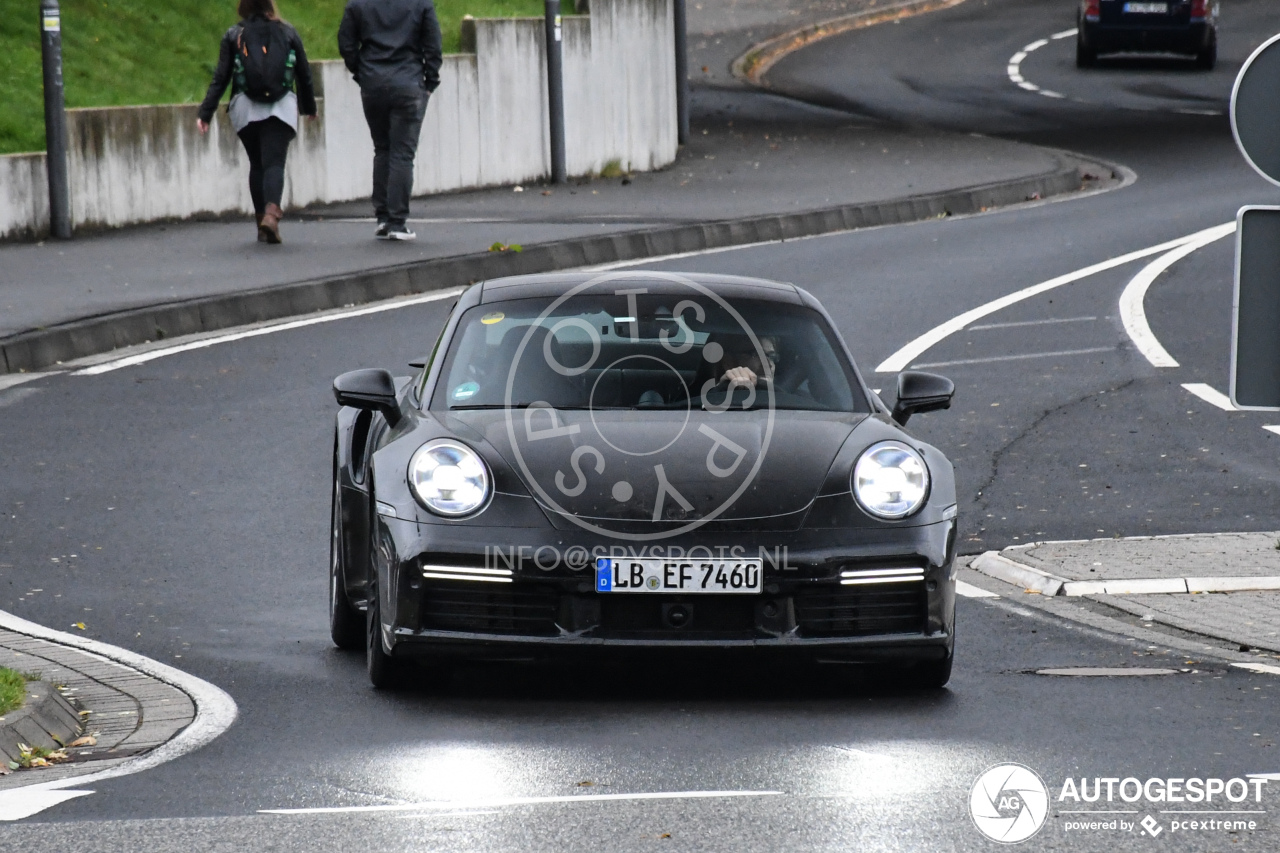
column 449, row 478
column 890, row 480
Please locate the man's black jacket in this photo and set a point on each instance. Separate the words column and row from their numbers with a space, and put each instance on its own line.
column 392, row 44
column 226, row 60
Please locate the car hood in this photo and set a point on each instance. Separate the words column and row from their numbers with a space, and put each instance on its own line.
column 627, row 470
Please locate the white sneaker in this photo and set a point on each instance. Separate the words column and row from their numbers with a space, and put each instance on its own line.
column 401, row 233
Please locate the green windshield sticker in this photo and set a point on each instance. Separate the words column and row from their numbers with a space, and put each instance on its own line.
column 465, row 391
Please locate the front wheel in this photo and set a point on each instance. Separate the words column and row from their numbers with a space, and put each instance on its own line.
column 930, row 675
column 346, row 627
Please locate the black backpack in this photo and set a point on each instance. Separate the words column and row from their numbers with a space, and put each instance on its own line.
column 264, row 60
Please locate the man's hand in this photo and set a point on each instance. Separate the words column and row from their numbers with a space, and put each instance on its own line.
column 744, row 376
column 203, row 125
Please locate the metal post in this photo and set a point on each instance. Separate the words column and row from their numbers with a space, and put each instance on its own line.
column 55, row 120
column 682, row 72
column 555, row 92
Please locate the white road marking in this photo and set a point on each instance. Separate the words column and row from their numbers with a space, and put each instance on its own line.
column 1211, row 395
column 1259, row 667
column 152, row 355
column 1049, row 322
column 1270, row 777
column 1021, row 357
column 968, row 590
column 909, row 353
column 525, row 801
column 215, row 712
column 1272, row 428
column 12, row 379
column 1132, row 313
column 1014, row 69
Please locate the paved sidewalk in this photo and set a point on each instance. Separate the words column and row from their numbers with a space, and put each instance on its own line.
column 127, row 711
column 1229, row 583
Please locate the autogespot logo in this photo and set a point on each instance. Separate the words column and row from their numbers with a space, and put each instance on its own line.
column 1009, row 803
column 674, row 456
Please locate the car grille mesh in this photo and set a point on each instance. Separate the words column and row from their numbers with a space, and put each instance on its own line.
column 459, row 606
column 855, row 612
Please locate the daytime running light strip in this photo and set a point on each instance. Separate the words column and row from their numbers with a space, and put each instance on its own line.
column 465, row 573
column 856, row 578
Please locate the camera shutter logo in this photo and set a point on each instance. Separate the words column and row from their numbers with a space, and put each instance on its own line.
column 1009, row 803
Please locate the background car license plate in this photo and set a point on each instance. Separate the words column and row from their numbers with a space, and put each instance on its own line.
column 1146, row 8
column 679, row 576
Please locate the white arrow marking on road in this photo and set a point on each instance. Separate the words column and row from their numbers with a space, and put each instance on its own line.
column 1259, row 667
column 1211, row 395
column 901, row 359
column 215, row 712
column 968, row 590
column 525, row 801
column 1132, row 313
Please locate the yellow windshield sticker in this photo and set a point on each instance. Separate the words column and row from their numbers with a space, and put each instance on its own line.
column 495, row 317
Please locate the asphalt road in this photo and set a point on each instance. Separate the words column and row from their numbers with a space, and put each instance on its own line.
column 179, row 508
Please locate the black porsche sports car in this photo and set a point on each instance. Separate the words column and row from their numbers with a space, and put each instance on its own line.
column 638, row 460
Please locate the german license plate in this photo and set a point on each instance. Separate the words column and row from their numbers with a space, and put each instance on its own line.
column 679, row 576
column 1146, row 8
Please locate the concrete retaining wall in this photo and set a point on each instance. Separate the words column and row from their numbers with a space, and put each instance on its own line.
column 486, row 125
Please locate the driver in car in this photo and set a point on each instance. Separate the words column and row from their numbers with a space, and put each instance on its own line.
column 741, row 366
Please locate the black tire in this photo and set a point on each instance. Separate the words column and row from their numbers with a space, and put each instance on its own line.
column 1086, row 56
column 1208, row 58
column 930, row 675
column 384, row 670
column 346, row 624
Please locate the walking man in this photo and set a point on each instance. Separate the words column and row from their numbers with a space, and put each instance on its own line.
column 393, row 49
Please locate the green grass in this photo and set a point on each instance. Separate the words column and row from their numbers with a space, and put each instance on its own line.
column 12, row 689
column 121, row 52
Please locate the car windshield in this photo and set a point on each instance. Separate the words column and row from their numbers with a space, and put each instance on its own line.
column 646, row 351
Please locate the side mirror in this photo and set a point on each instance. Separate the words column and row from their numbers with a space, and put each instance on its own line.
column 921, row 392
column 371, row 390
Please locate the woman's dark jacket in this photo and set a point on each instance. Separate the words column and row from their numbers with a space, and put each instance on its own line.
column 226, row 65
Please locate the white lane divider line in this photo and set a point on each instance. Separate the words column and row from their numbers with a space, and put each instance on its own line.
column 1132, row 313
column 1049, row 322
column 1022, row 357
column 152, row 355
column 1265, row 668
column 968, row 590
column 1211, row 395
column 215, row 712
column 1014, row 69
column 914, row 349
column 525, row 801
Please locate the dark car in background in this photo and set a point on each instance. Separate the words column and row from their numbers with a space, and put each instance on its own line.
column 630, row 462
column 1187, row 27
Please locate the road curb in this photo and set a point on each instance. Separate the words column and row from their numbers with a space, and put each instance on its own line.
column 143, row 713
column 37, row 349
column 47, row 719
column 996, row 565
column 756, row 60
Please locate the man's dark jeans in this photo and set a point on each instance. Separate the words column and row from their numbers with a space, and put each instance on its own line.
column 395, row 121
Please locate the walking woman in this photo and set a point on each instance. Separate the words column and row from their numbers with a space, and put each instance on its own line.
column 263, row 59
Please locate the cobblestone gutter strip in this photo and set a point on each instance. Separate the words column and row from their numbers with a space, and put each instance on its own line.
column 46, row 720
column 753, row 64
column 144, row 712
column 42, row 348
column 126, row 711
